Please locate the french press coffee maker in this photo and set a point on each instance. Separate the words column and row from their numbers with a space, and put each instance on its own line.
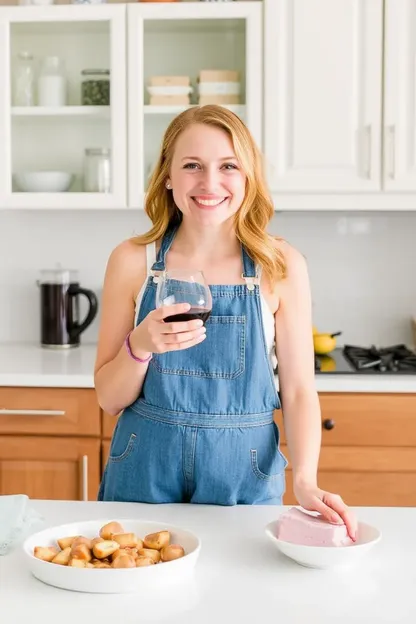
column 60, row 293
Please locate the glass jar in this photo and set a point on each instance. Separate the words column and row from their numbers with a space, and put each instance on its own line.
column 95, row 87
column 52, row 82
column 24, row 80
column 97, row 170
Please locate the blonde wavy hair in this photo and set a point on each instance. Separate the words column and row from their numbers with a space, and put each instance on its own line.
column 257, row 209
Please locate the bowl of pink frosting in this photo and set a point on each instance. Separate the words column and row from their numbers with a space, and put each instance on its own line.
column 313, row 542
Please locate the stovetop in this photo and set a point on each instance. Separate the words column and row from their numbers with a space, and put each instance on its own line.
column 351, row 359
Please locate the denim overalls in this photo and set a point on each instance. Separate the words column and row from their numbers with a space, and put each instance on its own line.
column 202, row 429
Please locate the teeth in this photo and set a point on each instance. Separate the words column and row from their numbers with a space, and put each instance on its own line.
column 209, row 202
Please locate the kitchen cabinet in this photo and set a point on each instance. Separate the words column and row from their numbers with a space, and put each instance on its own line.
column 181, row 39
column 323, row 77
column 368, row 452
column 148, row 39
column 50, row 443
column 339, row 105
column 55, row 138
column 399, row 96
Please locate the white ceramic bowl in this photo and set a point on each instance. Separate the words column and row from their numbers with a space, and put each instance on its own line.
column 43, row 181
column 113, row 581
column 326, row 557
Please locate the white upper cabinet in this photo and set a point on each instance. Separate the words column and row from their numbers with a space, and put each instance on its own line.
column 68, row 133
column 400, row 96
column 323, row 95
column 183, row 39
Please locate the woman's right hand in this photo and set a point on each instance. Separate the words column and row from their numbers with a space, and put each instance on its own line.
column 153, row 335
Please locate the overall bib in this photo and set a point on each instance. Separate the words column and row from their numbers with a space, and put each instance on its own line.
column 202, row 430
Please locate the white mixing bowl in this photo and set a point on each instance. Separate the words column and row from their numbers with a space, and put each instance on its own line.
column 43, row 181
column 326, row 557
column 113, row 580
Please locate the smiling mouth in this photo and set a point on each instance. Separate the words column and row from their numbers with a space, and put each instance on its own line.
column 209, row 203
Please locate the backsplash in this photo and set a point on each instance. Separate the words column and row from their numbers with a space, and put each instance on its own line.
column 362, row 266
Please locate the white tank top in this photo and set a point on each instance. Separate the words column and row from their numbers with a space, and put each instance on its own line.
column 268, row 318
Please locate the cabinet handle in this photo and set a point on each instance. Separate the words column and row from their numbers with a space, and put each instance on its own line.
column 23, row 412
column 328, row 424
column 391, row 133
column 84, row 474
column 367, row 151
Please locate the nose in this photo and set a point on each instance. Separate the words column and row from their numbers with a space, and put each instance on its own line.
column 210, row 179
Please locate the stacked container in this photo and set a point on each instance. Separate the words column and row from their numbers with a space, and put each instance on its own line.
column 169, row 90
column 217, row 86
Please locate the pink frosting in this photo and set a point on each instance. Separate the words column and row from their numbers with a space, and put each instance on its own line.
column 300, row 527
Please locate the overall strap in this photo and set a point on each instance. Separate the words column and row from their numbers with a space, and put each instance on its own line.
column 250, row 274
column 160, row 264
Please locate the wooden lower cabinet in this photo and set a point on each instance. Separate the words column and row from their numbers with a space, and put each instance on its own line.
column 368, row 452
column 49, row 467
column 50, row 443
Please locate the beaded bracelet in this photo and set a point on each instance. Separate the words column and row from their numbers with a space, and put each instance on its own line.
column 131, row 354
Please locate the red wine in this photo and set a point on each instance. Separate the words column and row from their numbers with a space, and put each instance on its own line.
column 192, row 314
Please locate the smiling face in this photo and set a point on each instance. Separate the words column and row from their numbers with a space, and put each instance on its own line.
column 207, row 181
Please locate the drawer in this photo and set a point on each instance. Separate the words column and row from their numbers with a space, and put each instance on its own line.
column 365, row 419
column 369, row 459
column 370, row 489
column 49, row 411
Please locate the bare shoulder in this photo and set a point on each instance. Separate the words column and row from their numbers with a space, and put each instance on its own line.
column 127, row 265
column 295, row 261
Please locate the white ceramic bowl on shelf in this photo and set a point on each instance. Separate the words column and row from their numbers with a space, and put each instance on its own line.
column 327, row 557
column 112, row 580
column 43, row 181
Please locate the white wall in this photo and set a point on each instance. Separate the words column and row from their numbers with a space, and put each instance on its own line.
column 362, row 267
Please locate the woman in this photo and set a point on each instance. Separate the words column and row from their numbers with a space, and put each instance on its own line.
column 197, row 402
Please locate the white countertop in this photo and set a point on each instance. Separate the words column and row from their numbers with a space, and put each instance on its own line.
column 239, row 577
column 30, row 365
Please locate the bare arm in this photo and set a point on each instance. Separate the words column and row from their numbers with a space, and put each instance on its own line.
column 118, row 378
column 294, row 349
column 300, row 401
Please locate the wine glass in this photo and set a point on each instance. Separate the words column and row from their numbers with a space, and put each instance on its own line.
column 184, row 286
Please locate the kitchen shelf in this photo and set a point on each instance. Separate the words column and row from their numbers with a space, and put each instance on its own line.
column 61, row 111
column 174, row 110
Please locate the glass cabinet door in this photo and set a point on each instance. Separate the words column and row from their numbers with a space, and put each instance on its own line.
column 62, row 113
column 183, row 54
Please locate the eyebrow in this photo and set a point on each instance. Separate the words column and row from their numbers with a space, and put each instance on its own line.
column 221, row 159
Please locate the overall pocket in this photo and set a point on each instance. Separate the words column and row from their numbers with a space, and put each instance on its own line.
column 121, row 450
column 268, row 463
column 221, row 355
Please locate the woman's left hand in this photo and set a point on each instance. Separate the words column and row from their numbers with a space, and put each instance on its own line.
column 331, row 506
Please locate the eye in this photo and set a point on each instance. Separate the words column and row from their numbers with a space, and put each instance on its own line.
column 191, row 166
column 230, row 166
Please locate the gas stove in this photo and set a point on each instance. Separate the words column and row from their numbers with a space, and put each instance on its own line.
column 350, row 359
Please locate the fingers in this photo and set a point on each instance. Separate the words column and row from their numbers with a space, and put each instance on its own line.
column 185, row 336
column 178, row 346
column 181, row 326
column 337, row 506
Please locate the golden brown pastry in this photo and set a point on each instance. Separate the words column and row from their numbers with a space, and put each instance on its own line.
column 63, row 557
column 77, row 563
column 124, row 561
column 81, row 552
column 156, row 541
column 126, row 540
column 149, row 552
column 64, row 542
column 81, row 540
column 105, row 549
column 46, row 553
column 171, row 552
column 142, row 562
column 108, row 530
